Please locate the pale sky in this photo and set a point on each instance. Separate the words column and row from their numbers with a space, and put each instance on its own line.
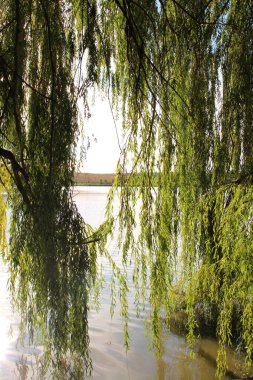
column 103, row 153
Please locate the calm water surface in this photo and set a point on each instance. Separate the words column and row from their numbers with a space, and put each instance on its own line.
column 110, row 360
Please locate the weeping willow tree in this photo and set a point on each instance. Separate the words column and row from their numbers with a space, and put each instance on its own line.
column 51, row 253
column 181, row 72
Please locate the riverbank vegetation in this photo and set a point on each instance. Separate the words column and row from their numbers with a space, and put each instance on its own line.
column 182, row 74
column 89, row 179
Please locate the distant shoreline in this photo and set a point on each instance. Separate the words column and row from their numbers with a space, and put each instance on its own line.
column 93, row 179
column 91, row 184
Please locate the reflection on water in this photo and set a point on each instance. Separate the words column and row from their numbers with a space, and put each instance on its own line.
column 15, row 359
column 110, row 361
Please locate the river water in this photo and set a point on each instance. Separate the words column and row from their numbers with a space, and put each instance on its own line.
column 110, row 360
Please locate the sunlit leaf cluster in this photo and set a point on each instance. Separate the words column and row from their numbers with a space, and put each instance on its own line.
column 186, row 90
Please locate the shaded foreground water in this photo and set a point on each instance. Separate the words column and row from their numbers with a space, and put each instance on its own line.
column 110, row 361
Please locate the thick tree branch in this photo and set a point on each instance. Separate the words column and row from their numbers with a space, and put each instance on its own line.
column 7, row 154
column 16, row 170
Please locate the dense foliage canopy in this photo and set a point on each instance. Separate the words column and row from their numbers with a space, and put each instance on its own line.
column 182, row 73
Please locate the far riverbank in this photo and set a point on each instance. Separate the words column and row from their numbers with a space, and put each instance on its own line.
column 94, row 179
